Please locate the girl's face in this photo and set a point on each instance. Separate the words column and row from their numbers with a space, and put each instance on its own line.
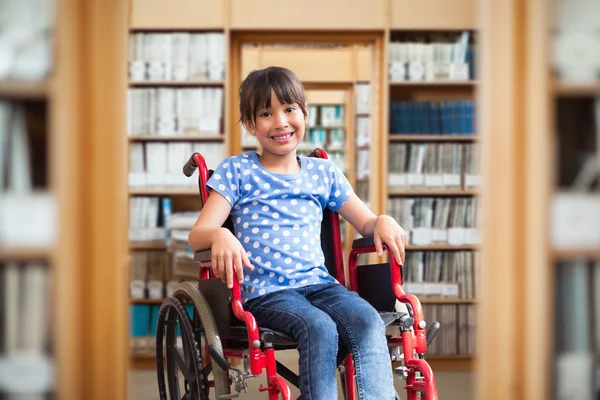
column 280, row 128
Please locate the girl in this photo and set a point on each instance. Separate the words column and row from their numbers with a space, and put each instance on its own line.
column 277, row 199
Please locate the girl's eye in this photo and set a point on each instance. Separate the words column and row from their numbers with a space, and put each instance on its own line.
column 265, row 114
column 290, row 109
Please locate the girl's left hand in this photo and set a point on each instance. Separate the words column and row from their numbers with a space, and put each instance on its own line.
column 388, row 232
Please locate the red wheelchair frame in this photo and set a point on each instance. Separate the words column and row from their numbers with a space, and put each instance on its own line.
column 414, row 338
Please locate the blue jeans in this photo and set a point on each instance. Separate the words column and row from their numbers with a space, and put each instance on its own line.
column 318, row 316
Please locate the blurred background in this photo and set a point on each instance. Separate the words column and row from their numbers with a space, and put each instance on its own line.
column 474, row 123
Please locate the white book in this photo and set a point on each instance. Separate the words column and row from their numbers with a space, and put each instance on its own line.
column 156, row 163
column 216, row 59
column 198, row 63
column 166, row 112
column 180, row 47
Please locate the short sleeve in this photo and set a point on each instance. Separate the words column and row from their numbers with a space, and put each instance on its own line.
column 340, row 190
column 225, row 180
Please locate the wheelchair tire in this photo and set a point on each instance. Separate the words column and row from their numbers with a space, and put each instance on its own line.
column 188, row 291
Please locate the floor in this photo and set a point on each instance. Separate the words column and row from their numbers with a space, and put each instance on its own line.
column 451, row 385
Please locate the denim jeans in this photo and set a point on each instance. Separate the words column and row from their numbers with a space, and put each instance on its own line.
column 318, row 316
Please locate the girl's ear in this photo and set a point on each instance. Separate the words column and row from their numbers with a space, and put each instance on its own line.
column 250, row 127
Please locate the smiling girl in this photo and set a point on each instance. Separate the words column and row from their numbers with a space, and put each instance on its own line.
column 277, row 200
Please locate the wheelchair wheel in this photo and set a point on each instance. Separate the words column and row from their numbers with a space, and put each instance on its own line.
column 191, row 360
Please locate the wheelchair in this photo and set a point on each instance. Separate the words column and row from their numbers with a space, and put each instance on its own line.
column 219, row 329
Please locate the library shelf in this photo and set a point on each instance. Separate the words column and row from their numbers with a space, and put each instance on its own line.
column 176, row 138
column 133, row 84
column 163, row 191
column 562, row 88
column 146, row 301
column 154, row 245
column 442, row 247
column 576, row 254
column 433, row 192
column 445, row 300
column 25, row 254
column 435, row 83
column 37, row 90
column 395, row 137
column 453, row 362
column 142, row 361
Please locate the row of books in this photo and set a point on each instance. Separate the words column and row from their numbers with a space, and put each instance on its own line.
column 143, row 323
column 450, row 274
column 430, row 220
column 363, row 131
column 168, row 111
column 326, row 115
column 151, row 275
column 457, row 333
column 27, row 39
column 160, row 164
column 577, row 330
column 329, row 139
column 28, row 215
column 362, row 93
column 416, row 60
column 177, row 56
column 434, row 165
column 575, row 40
column 363, row 140
column 446, row 117
column 26, row 364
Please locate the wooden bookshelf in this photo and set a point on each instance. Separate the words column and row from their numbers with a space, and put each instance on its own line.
column 445, row 300
column 434, row 83
column 24, row 90
column 396, row 137
column 567, row 89
column 575, row 254
column 26, row 254
column 175, row 83
column 442, row 247
column 416, row 192
column 164, row 191
column 147, row 245
column 175, row 138
column 146, row 301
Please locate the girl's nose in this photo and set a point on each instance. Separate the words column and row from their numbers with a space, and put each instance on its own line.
column 281, row 120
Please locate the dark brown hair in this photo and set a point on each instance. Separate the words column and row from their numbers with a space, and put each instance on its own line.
column 255, row 91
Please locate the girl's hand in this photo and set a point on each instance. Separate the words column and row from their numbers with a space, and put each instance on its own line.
column 227, row 255
column 388, row 232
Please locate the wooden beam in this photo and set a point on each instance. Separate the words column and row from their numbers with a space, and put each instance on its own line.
column 501, row 111
column 104, row 150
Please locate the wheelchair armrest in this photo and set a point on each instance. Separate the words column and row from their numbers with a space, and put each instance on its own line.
column 202, row 256
column 366, row 241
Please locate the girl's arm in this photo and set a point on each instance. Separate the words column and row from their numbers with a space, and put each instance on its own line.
column 213, row 216
column 383, row 228
column 227, row 253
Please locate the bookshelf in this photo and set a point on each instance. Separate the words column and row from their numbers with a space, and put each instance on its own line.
column 430, row 132
column 359, row 58
column 59, row 266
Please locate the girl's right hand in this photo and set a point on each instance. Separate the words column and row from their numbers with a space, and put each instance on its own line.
column 227, row 255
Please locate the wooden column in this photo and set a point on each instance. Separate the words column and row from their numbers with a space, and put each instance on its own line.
column 501, row 123
column 105, row 269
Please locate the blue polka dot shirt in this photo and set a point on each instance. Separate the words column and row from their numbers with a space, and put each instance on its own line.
column 277, row 218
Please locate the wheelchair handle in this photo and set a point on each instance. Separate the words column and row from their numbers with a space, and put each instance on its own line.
column 190, row 166
column 432, row 331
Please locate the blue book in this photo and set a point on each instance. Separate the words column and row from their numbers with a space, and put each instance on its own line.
column 435, row 117
column 154, row 319
column 167, row 210
column 139, row 320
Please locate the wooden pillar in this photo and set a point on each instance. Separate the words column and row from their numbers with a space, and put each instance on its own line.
column 105, row 269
